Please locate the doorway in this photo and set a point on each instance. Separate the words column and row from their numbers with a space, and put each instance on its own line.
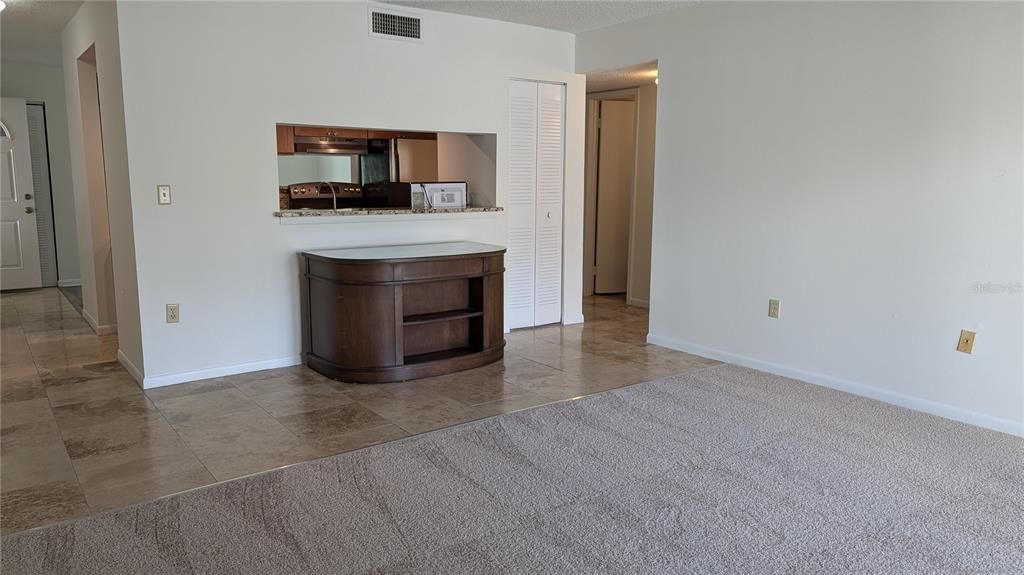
column 619, row 199
column 27, row 198
column 613, row 194
column 19, row 233
column 96, row 217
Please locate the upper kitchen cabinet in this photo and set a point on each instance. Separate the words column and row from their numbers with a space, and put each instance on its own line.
column 328, row 132
column 287, row 135
column 285, row 140
column 399, row 135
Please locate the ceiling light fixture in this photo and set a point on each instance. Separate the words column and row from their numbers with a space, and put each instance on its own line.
column 2, row 5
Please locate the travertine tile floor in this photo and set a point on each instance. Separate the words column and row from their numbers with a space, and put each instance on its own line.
column 79, row 435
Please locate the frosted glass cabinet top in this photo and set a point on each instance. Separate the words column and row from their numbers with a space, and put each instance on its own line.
column 407, row 251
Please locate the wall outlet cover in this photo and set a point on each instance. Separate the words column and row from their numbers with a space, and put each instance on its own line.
column 173, row 313
column 774, row 308
column 966, row 343
column 163, row 195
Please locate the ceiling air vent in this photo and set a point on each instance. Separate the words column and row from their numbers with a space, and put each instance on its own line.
column 394, row 25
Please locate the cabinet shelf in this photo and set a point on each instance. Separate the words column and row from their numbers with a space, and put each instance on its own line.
column 438, row 355
column 422, row 318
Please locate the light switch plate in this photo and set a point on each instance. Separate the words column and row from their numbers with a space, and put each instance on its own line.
column 173, row 314
column 966, row 343
column 163, row 195
column 774, row 308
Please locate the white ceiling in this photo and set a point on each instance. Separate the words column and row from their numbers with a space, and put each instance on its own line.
column 565, row 15
column 46, row 16
column 30, row 29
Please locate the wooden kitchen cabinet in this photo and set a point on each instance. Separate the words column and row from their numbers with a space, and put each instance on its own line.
column 328, row 132
column 286, row 134
column 396, row 134
column 285, row 140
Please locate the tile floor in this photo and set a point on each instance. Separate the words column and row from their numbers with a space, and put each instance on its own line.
column 79, row 435
column 74, row 296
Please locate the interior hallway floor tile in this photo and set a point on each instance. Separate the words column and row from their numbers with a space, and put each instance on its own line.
column 79, row 435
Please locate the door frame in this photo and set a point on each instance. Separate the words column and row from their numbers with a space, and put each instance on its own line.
column 503, row 172
column 590, row 187
column 92, row 205
column 49, row 188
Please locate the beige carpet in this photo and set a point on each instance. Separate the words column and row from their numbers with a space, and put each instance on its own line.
column 723, row 470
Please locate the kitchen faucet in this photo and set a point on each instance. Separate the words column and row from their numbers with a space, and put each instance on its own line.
column 334, row 195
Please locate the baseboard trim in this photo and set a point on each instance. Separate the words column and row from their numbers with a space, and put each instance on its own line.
column 895, row 398
column 69, row 283
column 110, row 329
column 129, row 366
column 187, row 376
column 638, row 302
column 572, row 319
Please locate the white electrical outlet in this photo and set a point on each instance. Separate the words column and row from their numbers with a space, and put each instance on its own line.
column 163, row 195
column 774, row 308
column 173, row 314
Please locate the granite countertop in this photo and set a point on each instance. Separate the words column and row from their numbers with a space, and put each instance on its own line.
column 381, row 211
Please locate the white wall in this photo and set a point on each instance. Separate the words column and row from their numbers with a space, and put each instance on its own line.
column 472, row 158
column 417, row 160
column 95, row 24
column 101, row 256
column 200, row 109
column 862, row 162
column 37, row 82
column 302, row 168
column 642, row 212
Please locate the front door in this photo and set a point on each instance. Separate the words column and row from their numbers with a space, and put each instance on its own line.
column 19, row 240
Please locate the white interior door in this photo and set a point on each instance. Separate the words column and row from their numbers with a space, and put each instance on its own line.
column 616, row 159
column 550, row 185
column 520, row 260
column 19, row 241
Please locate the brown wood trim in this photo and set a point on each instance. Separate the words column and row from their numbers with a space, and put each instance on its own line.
column 399, row 325
column 362, row 274
column 416, row 281
column 405, row 372
column 432, row 270
column 285, row 140
column 399, row 134
column 286, row 134
column 330, row 132
column 382, row 134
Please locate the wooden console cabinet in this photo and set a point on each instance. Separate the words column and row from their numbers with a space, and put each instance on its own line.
column 392, row 313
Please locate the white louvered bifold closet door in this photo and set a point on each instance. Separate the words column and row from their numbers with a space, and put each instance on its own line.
column 534, row 260
column 521, row 209
column 548, row 293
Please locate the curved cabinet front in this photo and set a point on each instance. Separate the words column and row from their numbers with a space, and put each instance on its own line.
column 427, row 310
